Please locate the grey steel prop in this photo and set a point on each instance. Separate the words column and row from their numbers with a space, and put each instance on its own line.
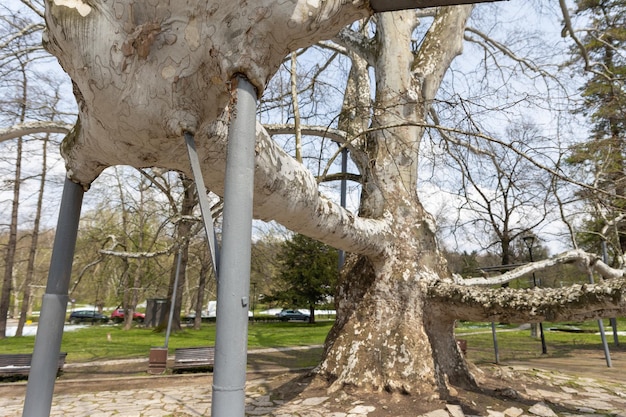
column 344, row 190
column 170, row 319
column 494, row 336
column 529, row 243
column 43, row 370
column 231, row 339
column 605, row 258
column 605, row 346
column 205, row 208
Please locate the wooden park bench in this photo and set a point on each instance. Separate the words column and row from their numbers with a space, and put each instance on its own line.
column 18, row 364
column 195, row 358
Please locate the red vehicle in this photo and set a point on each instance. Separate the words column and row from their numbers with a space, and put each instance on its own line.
column 118, row 316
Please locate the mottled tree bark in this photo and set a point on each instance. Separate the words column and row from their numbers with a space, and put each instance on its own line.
column 385, row 337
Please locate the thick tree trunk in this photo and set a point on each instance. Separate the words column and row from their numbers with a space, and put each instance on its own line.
column 385, row 337
column 183, row 232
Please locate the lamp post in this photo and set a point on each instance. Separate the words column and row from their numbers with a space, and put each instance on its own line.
column 529, row 240
column 253, row 300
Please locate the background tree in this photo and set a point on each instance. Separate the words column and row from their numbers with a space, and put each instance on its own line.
column 29, row 277
column 600, row 50
column 29, row 101
column 265, row 267
column 308, row 273
column 503, row 195
column 183, row 233
column 125, row 246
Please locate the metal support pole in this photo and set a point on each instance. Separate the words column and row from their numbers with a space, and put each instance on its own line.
column 605, row 258
column 528, row 240
column 231, row 339
column 343, row 191
column 544, row 349
column 495, row 342
column 43, row 370
column 205, row 209
column 170, row 319
column 615, row 334
column 605, row 345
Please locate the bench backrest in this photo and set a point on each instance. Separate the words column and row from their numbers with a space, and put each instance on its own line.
column 203, row 353
column 24, row 359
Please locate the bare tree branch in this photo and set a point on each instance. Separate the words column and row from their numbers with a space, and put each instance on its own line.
column 136, row 255
column 487, row 41
column 27, row 30
column 30, row 128
column 335, row 135
column 584, row 259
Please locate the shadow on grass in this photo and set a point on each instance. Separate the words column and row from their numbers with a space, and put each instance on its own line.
column 264, row 360
column 520, row 346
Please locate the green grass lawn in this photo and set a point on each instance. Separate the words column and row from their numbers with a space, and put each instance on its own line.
column 519, row 345
column 92, row 343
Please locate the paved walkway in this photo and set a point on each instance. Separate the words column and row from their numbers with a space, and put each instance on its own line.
column 584, row 397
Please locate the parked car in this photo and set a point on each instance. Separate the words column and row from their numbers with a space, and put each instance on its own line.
column 118, row 316
column 87, row 316
column 287, row 315
column 191, row 317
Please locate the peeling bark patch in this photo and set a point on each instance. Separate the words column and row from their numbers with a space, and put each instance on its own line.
column 192, row 35
column 82, row 8
column 141, row 40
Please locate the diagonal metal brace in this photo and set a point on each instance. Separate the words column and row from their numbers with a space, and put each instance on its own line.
column 205, row 209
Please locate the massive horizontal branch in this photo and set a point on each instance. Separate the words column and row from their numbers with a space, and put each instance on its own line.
column 30, row 128
column 287, row 192
column 577, row 302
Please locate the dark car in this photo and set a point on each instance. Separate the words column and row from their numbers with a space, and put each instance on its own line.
column 287, row 315
column 87, row 316
column 118, row 316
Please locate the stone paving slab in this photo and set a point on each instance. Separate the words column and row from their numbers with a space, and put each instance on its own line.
column 584, row 397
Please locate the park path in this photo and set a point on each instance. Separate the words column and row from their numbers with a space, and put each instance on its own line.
column 564, row 387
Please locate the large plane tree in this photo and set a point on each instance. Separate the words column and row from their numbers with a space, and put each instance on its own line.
column 146, row 72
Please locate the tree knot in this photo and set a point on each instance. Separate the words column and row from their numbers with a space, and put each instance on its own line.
column 140, row 40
